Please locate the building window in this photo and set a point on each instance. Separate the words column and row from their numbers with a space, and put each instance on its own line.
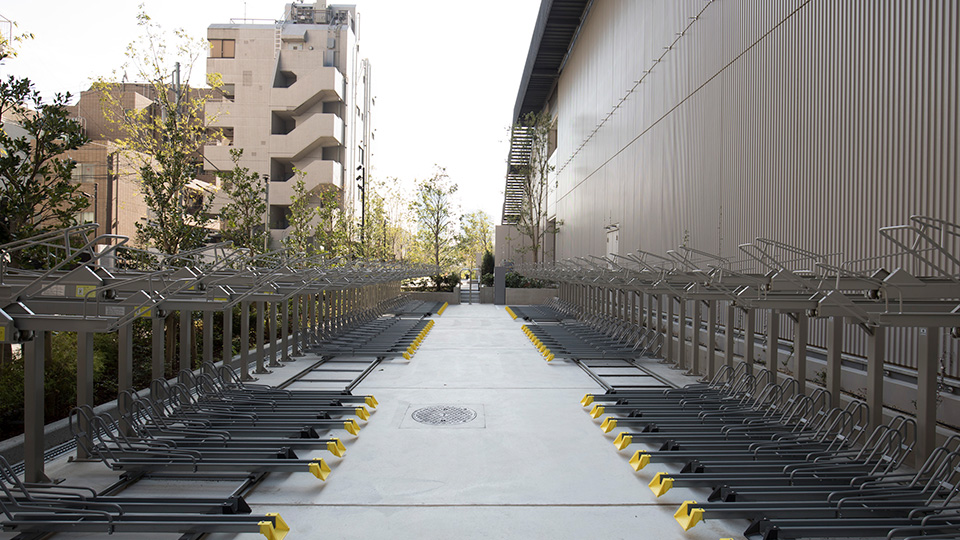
column 87, row 216
column 223, row 48
column 83, row 173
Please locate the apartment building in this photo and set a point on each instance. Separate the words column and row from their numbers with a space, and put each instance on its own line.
column 110, row 176
column 296, row 96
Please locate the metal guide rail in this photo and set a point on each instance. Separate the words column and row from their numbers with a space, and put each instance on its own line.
column 210, row 423
column 418, row 308
column 544, row 313
column 382, row 337
column 214, row 422
column 787, row 461
column 607, row 360
column 672, row 301
column 35, row 510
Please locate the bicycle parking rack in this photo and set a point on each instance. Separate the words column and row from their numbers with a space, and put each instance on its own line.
column 91, row 288
column 420, row 308
column 794, row 443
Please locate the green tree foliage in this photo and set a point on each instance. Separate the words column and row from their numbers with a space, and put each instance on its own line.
column 36, row 194
column 386, row 237
column 434, row 213
column 165, row 139
column 486, row 269
column 532, row 223
column 317, row 223
column 333, row 232
column 241, row 219
column 299, row 218
column 476, row 237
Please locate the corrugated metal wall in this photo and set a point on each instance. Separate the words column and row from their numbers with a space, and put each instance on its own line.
column 711, row 123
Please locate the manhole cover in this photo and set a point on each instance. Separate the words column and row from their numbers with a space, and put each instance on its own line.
column 444, row 415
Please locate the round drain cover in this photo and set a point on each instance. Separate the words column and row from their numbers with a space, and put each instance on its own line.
column 444, row 415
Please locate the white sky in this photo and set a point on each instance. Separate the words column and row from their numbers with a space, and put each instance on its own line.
column 446, row 72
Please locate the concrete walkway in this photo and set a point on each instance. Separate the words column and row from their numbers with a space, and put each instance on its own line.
column 532, row 464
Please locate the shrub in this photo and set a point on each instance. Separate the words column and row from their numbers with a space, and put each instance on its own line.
column 487, row 279
column 487, row 264
column 448, row 282
column 516, row 281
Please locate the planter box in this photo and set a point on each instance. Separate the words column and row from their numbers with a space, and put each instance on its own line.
column 426, row 296
column 529, row 297
column 486, row 295
column 520, row 297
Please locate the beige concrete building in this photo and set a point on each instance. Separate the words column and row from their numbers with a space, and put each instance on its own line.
column 109, row 177
column 296, row 96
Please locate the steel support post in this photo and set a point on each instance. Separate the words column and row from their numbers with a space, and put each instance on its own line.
column 324, row 314
column 228, row 337
column 729, row 333
column 695, row 339
column 834, row 364
column 84, row 381
column 186, row 351
column 261, row 326
column 245, row 341
column 928, row 367
column 272, row 332
column 303, row 323
column 711, row 339
column 682, row 335
column 876, row 353
column 33, row 418
column 800, row 338
column 749, row 339
column 208, row 340
column 668, row 332
column 649, row 314
column 285, row 331
column 312, row 318
column 773, row 343
column 124, row 369
column 157, row 371
column 295, row 327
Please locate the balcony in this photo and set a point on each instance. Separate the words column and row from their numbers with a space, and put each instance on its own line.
column 217, row 113
column 219, row 156
column 317, row 173
column 316, row 131
column 312, row 86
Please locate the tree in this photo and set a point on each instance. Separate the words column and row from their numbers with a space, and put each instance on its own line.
column 317, row 225
column 165, row 138
column 36, row 194
column 376, row 228
column 476, row 237
column 300, row 218
column 532, row 220
column 242, row 218
column 387, row 237
column 333, row 234
column 433, row 211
